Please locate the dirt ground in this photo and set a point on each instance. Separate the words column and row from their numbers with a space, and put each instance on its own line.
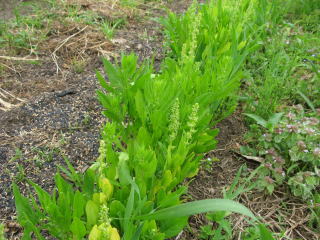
column 54, row 112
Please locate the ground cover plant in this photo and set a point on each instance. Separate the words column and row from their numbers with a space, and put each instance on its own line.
column 159, row 130
column 284, row 131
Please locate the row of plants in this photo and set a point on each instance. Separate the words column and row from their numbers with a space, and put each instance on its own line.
column 282, row 106
column 160, row 125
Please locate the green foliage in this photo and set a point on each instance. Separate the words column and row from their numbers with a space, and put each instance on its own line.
column 224, row 231
column 270, row 124
column 219, row 226
column 24, row 32
column 2, row 237
column 286, row 69
column 201, row 206
column 162, row 123
column 291, row 152
column 314, row 221
column 160, row 127
column 108, row 28
column 62, row 213
column 196, row 30
column 286, row 72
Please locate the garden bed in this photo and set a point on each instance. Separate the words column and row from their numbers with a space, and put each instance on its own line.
column 50, row 111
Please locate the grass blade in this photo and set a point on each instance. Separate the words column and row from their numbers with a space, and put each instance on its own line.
column 307, row 100
column 196, row 207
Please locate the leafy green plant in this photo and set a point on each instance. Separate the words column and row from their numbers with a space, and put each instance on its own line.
column 291, row 152
column 270, row 124
column 160, row 127
column 61, row 214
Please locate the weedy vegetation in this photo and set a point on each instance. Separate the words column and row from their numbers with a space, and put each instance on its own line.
column 161, row 124
column 282, row 106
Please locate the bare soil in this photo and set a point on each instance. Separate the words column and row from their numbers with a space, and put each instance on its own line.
column 53, row 110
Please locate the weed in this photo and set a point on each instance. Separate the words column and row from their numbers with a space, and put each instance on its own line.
column 108, row 28
column 86, row 120
column 17, row 156
column 291, row 152
column 286, row 73
column 314, row 221
column 62, row 140
column 24, row 33
column 207, row 162
column 44, row 155
column 220, row 227
column 20, row 176
column 78, row 65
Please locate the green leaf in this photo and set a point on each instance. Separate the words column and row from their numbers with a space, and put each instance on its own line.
column 128, row 225
column 172, row 227
column 23, row 206
column 88, row 181
column 140, row 106
column 265, row 233
column 117, row 209
column 136, row 235
column 103, row 82
column 78, row 228
column 104, row 100
column 112, row 73
column 27, row 217
column 197, row 207
column 79, row 203
column 123, row 169
column 45, row 199
column 258, row 119
column 112, row 116
column 307, row 100
column 275, row 118
column 92, row 211
column 224, row 49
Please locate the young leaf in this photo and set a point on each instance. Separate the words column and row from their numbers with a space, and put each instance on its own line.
column 197, row 207
column 258, row 119
column 103, row 82
column 27, row 217
column 275, row 118
column 141, row 106
column 128, row 226
column 307, row 100
column 78, row 205
column 112, row 72
column 265, row 233
column 78, row 228
column 92, row 211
